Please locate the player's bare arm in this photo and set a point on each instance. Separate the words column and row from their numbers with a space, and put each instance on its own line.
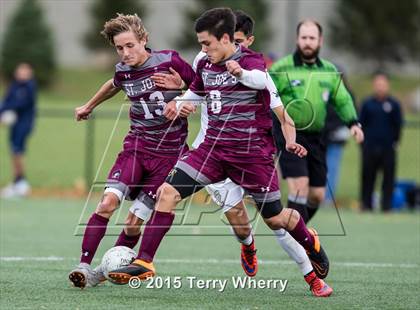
column 107, row 90
column 289, row 132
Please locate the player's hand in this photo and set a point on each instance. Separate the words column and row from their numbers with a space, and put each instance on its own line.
column 357, row 133
column 186, row 108
column 170, row 111
column 82, row 113
column 168, row 80
column 297, row 149
column 234, row 68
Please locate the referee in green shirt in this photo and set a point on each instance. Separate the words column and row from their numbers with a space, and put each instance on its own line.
column 306, row 83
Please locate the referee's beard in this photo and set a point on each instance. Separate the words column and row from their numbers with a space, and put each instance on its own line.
column 308, row 54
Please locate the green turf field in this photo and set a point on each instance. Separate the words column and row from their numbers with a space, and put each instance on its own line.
column 376, row 265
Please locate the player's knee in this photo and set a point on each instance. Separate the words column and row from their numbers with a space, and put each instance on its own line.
column 317, row 198
column 298, row 186
column 108, row 205
column 270, row 212
column 289, row 218
column 133, row 225
column 286, row 219
column 269, row 209
column 167, row 197
column 273, row 222
column 238, row 219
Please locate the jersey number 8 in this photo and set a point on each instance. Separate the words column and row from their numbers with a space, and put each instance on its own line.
column 216, row 101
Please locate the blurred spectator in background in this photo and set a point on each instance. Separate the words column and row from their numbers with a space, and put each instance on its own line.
column 18, row 111
column 336, row 134
column 381, row 120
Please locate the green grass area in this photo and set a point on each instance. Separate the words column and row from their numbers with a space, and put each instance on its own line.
column 374, row 266
column 57, row 149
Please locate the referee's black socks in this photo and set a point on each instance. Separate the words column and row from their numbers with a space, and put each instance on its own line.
column 305, row 208
column 312, row 208
column 299, row 204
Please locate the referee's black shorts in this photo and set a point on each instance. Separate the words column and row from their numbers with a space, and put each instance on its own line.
column 313, row 165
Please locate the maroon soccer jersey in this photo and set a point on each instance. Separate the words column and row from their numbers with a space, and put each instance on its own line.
column 239, row 117
column 154, row 133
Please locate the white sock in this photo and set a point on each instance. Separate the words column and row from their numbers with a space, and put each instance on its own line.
column 294, row 250
column 247, row 241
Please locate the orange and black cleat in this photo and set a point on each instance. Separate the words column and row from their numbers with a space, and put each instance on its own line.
column 249, row 259
column 138, row 268
column 318, row 257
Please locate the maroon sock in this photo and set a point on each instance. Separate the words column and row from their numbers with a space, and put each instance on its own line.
column 301, row 234
column 95, row 231
column 153, row 234
column 126, row 240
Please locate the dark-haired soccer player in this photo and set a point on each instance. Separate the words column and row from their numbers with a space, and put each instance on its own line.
column 235, row 144
column 229, row 195
column 152, row 145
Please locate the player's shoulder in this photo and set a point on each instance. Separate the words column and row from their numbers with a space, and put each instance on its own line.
column 122, row 67
column 247, row 53
column 250, row 59
column 164, row 52
column 164, row 55
column 201, row 55
column 199, row 59
column 203, row 62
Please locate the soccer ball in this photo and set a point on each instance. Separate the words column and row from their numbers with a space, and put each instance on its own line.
column 115, row 258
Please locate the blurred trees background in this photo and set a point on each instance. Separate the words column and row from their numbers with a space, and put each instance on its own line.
column 28, row 38
column 379, row 31
column 103, row 10
column 258, row 9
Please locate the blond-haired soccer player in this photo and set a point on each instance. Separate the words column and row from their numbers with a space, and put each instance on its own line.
column 153, row 143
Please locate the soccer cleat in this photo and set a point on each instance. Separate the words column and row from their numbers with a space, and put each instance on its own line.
column 138, row 268
column 318, row 287
column 318, row 257
column 99, row 275
column 249, row 260
column 83, row 276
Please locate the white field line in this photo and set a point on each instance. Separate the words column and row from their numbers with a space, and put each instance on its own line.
column 214, row 261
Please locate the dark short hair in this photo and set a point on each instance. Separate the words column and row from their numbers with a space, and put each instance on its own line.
column 244, row 23
column 217, row 22
column 318, row 25
column 380, row 73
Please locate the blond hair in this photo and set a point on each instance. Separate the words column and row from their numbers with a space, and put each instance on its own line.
column 123, row 23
